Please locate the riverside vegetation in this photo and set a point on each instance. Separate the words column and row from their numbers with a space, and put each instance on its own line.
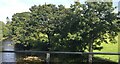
column 56, row 28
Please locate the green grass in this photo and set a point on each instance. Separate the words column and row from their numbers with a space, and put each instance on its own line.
column 110, row 47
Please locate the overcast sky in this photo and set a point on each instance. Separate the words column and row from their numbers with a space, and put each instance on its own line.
column 10, row 7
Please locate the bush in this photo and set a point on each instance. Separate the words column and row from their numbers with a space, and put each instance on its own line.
column 30, row 60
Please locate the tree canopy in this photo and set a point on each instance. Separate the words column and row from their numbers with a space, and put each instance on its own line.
column 66, row 29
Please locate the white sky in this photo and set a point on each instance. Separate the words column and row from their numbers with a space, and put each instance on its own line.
column 10, row 7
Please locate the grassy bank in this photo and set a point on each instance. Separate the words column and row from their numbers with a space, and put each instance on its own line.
column 111, row 47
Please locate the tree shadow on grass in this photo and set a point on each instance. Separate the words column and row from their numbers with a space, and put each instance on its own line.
column 98, row 60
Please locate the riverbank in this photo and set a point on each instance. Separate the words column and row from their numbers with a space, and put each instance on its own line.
column 110, row 47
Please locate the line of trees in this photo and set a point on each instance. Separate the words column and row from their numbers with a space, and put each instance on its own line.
column 57, row 28
column 3, row 30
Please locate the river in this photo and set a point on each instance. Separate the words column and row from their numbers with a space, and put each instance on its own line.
column 12, row 58
column 8, row 57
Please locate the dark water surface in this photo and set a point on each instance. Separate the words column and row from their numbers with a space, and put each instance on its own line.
column 11, row 57
column 7, row 56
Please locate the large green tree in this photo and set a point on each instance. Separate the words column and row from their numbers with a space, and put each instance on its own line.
column 84, row 23
column 96, row 24
column 48, row 19
column 78, row 28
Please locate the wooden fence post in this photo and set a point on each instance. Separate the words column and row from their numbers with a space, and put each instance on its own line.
column 48, row 58
column 90, row 55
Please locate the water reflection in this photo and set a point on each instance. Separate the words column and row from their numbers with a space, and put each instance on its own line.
column 7, row 45
column 7, row 56
column 14, row 58
column 0, row 57
column 0, row 52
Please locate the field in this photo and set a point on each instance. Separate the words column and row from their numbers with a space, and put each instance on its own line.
column 111, row 47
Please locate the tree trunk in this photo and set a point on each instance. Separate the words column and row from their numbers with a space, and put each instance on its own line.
column 90, row 55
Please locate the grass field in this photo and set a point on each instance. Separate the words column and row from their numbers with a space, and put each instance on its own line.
column 111, row 47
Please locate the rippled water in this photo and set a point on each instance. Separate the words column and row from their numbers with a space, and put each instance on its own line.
column 11, row 57
column 0, row 52
column 7, row 56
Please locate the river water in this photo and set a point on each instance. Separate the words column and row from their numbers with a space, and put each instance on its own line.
column 11, row 57
column 8, row 57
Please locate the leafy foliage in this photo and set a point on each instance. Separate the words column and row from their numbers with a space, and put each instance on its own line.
column 50, row 27
column 4, row 31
